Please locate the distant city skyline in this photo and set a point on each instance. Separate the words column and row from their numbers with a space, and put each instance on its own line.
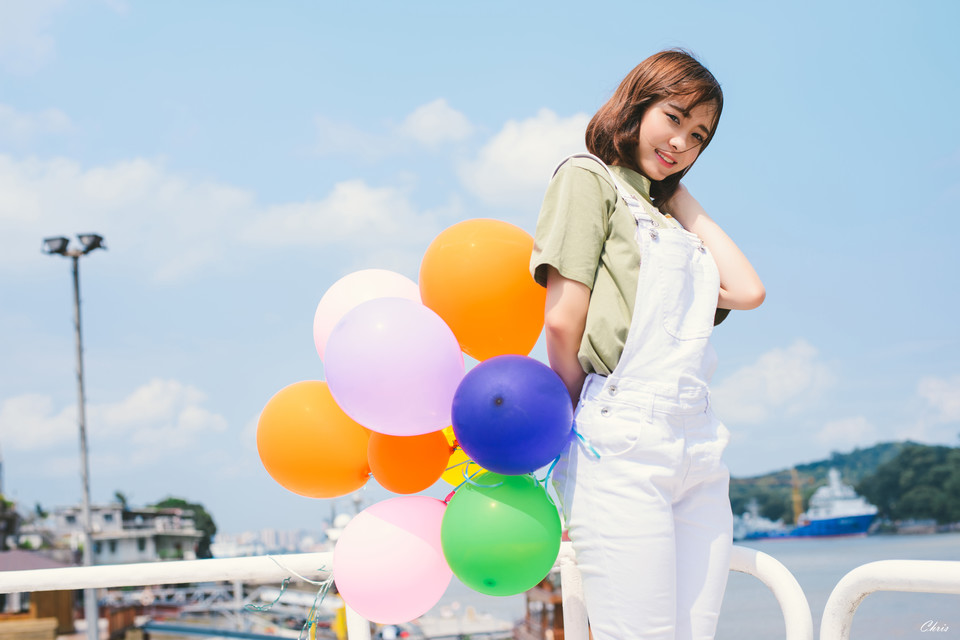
column 238, row 159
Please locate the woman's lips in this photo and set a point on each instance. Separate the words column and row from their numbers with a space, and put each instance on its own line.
column 665, row 159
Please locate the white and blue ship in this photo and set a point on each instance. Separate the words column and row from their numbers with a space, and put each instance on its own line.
column 835, row 510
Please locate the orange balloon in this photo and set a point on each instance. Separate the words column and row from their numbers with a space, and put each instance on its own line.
column 408, row 464
column 309, row 445
column 476, row 276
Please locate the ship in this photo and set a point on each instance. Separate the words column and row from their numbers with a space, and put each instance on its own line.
column 835, row 510
column 750, row 523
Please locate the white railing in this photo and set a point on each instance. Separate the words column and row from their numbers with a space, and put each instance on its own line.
column 923, row 576
column 887, row 575
column 314, row 566
column 793, row 603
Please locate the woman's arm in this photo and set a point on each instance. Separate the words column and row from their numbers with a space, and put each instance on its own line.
column 565, row 317
column 740, row 286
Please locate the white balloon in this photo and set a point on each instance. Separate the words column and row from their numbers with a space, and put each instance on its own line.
column 352, row 289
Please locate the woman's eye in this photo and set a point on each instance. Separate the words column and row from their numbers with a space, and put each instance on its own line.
column 699, row 138
column 674, row 118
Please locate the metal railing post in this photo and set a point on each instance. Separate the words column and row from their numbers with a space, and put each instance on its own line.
column 358, row 627
column 924, row 576
column 793, row 603
column 571, row 588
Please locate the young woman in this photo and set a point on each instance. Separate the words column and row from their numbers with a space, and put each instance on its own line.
column 637, row 274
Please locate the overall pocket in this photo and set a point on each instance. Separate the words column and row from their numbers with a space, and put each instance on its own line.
column 611, row 428
column 689, row 285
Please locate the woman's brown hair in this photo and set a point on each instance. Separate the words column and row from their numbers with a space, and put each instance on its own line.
column 614, row 130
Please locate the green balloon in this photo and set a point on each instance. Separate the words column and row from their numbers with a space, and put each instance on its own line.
column 502, row 537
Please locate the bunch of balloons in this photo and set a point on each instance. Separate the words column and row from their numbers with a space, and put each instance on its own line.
column 397, row 405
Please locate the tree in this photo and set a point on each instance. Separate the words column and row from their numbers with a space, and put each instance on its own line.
column 921, row 482
column 9, row 521
column 40, row 512
column 202, row 520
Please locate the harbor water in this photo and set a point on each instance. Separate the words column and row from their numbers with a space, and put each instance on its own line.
column 751, row 611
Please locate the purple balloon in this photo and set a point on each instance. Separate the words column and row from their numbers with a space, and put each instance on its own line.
column 393, row 365
column 512, row 414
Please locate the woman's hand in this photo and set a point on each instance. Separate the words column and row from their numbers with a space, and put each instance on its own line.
column 565, row 317
column 740, row 286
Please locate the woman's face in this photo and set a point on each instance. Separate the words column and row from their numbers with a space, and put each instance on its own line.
column 671, row 135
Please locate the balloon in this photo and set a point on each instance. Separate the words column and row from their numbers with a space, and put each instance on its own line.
column 475, row 274
column 458, row 460
column 388, row 563
column 512, row 414
column 351, row 290
column 408, row 464
column 308, row 445
column 501, row 539
column 393, row 366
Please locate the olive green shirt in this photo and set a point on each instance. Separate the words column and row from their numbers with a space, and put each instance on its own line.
column 587, row 232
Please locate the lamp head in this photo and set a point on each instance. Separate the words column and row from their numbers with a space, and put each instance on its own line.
column 91, row 241
column 56, row 244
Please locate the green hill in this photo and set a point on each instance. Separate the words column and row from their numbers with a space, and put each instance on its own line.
column 773, row 491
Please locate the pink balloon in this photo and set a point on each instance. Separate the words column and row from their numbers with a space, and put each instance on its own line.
column 388, row 564
column 351, row 290
column 393, row 365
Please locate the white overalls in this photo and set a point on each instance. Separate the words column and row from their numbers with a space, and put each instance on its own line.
column 650, row 517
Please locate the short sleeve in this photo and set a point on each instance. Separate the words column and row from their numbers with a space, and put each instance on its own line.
column 573, row 225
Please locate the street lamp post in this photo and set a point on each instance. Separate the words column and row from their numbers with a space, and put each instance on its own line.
column 58, row 245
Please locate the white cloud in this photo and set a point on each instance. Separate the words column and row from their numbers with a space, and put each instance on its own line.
column 157, row 417
column 938, row 412
column 847, row 433
column 17, row 126
column 352, row 212
column 781, row 380
column 171, row 226
column 435, row 123
column 154, row 218
column 248, row 437
column 429, row 125
column 513, row 168
column 943, row 396
column 25, row 41
column 30, row 422
column 343, row 138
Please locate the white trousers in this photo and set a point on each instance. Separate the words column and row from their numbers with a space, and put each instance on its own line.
column 650, row 518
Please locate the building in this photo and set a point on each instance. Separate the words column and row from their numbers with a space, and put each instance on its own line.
column 24, row 614
column 125, row 535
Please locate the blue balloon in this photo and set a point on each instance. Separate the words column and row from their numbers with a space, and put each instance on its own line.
column 512, row 414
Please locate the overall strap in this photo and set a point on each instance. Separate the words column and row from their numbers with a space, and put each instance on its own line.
column 632, row 201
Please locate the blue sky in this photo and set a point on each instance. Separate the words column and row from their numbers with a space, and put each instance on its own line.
column 240, row 157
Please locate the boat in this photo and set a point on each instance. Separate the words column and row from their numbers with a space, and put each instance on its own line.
column 750, row 523
column 835, row 510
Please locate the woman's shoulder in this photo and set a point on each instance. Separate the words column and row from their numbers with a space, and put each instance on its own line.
column 586, row 173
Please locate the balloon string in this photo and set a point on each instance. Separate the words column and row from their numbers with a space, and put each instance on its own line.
column 267, row 607
column 549, row 471
column 310, row 624
column 586, row 443
column 459, row 464
column 289, row 570
column 469, row 480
